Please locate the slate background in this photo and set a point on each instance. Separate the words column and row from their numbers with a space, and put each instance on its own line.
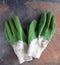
column 28, row 10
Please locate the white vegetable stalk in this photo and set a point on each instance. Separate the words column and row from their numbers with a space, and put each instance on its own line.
column 20, row 49
column 37, row 46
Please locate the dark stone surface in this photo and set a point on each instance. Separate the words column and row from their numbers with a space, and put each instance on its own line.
column 26, row 11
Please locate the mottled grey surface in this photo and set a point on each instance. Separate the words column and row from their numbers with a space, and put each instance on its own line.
column 9, row 8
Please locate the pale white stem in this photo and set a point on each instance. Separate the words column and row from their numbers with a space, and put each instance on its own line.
column 20, row 49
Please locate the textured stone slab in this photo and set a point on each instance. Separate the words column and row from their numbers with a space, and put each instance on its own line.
column 28, row 10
